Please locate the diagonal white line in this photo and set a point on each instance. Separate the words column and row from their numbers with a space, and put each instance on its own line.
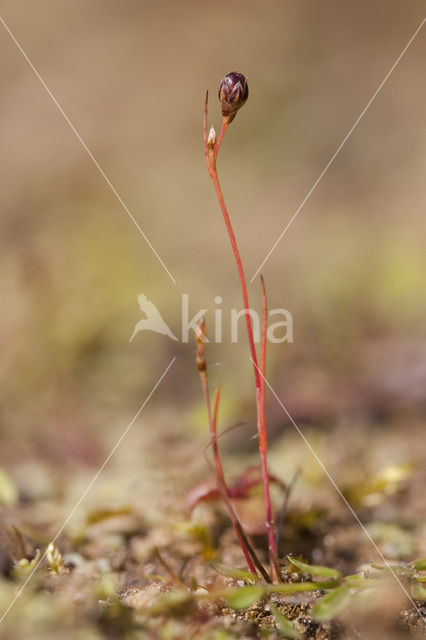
column 324, row 468
column 86, row 148
column 318, row 180
column 90, row 485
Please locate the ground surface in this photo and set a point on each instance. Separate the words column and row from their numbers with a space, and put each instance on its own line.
column 137, row 565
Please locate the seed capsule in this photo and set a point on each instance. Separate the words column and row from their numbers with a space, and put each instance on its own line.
column 233, row 93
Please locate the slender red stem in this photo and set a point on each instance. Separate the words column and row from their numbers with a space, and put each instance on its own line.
column 211, row 165
column 261, row 425
column 213, row 432
column 264, row 443
column 252, row 560
column 217, row 395
column 223, row 128
column 248, row 551
column 221, row 479
column 263, row 347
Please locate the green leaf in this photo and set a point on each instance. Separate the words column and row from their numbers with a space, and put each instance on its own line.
column 420, row 564
column 314, row 570
column 359, row 582
column 284, row 625
column 245, row 596
column 296, row 587
column 232, row 572
column 332, row 604
column 176, row 601
column 418, row 592
column 393, row 569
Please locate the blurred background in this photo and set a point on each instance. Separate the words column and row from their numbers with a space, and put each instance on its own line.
column 351, row 269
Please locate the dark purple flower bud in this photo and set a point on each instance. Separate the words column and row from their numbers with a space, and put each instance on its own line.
column 233, row 93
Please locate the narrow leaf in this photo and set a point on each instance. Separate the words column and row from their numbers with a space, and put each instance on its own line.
column 331, row 604
column 392, row 568
column 245, row 596
column 314, row 570
column 420, row 564
column 172, row 601
column 232, row 572
column 296, row 587
column 418, row 592
column 284, row 625
column 359, row 582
